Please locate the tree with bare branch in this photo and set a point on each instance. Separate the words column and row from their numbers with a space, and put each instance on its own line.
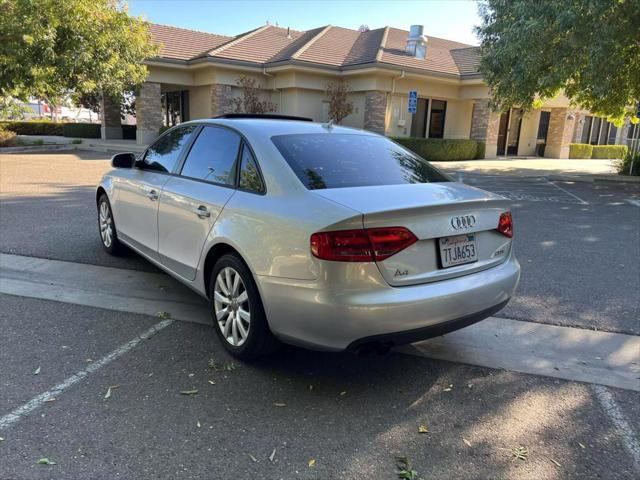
column 250, row 101
column 339, row 105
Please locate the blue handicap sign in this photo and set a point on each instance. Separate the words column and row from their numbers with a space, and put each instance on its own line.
column 412, row 106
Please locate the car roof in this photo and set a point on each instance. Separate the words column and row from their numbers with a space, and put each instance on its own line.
column 271, row 127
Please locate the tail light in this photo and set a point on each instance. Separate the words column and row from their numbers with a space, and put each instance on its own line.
column 361, row 245
column 505, row 225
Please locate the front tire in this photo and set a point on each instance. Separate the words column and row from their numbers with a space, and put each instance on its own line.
column 107, row 227
column 237, row 311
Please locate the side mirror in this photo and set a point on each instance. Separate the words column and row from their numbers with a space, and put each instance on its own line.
column 123, row 160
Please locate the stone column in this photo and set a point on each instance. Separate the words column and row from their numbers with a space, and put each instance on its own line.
column 110, row 113
column 148, row 113
column 221, row 99
column 561, row 128
column 375, row 111
column 579, row 126
column 485, row 124
column 623, row 132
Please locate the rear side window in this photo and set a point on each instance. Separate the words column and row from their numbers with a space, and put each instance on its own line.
column 327, row 160
column 213, row 156
column 249, row 174
column 164, row 153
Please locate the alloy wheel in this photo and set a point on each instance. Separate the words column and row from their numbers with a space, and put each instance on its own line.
column 231, row 306
column 106, row 225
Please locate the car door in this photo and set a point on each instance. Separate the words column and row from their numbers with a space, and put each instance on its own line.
column 191, row 201
column 138, row 192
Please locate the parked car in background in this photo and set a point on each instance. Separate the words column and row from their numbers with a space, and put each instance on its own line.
column 326, row 237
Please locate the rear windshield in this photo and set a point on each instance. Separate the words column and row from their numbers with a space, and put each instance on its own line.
column 323, row 160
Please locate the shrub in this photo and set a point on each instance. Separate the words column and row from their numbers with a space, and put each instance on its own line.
column 580, row 150
column 39, row 127
column 609, row 151
column 76, row 141
column 6, row 137
column 629, row 165
column 81, row 130
column 438, row 149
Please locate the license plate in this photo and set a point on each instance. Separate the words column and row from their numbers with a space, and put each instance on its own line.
column 458, row 250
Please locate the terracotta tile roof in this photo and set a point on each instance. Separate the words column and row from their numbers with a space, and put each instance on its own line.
column 182, row 44
column 439, row 58
column 332, row 46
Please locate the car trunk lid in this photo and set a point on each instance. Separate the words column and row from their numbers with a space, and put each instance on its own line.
column 461, row 214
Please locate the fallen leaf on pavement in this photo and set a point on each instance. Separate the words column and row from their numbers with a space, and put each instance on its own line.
column 108, row 394
column 312, row 462
column 50, row 399
column 556, row 463
column 45, row 461
column 423, row 429
column 198, row 424
column 582, row 445
column 466, row 442
column 211, row 382
column 447, row 389
column 404, row 469
column 89, row 360
column 253, row 458
column 190, row 392
column 37, row 371
column 273, row 455
column 1, row 439
column 164, row 315
column 279, row 404
column 342, row 394
column 521, row 453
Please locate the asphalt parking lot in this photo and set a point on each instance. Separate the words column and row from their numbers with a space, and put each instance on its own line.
column 179, row 407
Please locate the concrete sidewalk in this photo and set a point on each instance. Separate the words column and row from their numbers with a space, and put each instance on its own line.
column 610, row 359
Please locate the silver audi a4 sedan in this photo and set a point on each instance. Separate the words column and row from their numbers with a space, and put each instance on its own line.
column 321, row 236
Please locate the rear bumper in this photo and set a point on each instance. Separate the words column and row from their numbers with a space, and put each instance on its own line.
column 314, row 315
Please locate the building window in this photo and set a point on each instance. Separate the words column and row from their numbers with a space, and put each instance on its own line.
column 613, row 131
column 428, row 121
column 603, row 132
column 595, row 131
column 586, row 129
column 175, row 107
column 436, row 118
column 419, row 119
column 543, row 126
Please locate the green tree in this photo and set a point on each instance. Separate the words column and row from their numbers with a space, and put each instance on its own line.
column 590, row 49
column 51, row 48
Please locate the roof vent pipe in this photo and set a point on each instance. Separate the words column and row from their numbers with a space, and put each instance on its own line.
column 416, row 42
column 288, row 32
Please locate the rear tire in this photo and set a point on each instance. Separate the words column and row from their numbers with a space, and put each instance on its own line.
column 107, row 227
column 237, row 311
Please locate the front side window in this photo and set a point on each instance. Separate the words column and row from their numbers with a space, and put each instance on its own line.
column 249, row 174
column 164, row 153
column 328, row 160
column 213, row 156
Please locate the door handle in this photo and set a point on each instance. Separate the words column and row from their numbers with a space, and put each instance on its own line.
column 202, row 212
column 152, row 195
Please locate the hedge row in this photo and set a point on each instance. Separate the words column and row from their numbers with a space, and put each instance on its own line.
column 584, row 150
column 6, row 136
column 75, row 130
column 438, row 149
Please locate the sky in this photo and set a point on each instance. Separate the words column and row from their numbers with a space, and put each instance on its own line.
column 450, row 19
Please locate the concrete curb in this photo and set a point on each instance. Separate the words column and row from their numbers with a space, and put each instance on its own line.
column 37, row 148
column 593, row 178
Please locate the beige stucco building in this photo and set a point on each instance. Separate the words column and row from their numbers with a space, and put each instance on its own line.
column 196, row 76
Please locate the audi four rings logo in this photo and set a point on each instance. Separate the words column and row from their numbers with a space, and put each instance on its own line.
column 463, row 221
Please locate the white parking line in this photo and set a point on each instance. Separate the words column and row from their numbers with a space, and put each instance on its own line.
column 569, row 193
column 625, row 431
column 36, row 402
column 633, row 202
